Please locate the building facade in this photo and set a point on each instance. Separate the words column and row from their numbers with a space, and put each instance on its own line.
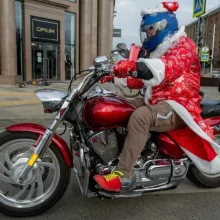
column 52, row 39
column 208, row 22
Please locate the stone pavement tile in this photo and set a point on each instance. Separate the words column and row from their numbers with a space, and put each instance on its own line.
column 5, row 114
column 5, row 123
column 24, row 114
column 27, row 112
column 9, row 92
column 12, row 99
column 18, row 103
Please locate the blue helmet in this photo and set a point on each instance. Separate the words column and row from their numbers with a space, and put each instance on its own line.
column 163, row 24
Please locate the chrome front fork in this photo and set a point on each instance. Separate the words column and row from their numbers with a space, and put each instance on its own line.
column 44, row 142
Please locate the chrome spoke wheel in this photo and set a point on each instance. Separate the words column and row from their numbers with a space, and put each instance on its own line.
column 39, row 184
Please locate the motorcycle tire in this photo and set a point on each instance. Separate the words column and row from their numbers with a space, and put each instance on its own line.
column 45, row 201
column 201, row 179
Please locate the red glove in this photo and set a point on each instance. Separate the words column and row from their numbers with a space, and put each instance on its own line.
column 134, row 83
column 107, row 79
column 122, row 68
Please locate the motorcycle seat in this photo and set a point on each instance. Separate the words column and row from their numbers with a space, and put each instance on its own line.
column 210, row 108
column 210, row 111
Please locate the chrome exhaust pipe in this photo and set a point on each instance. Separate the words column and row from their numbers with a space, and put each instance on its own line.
column 122, row 194
column 135, row 193
column 158, row 188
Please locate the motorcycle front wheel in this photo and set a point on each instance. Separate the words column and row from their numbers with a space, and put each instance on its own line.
column 201, row 179
column 43, row 186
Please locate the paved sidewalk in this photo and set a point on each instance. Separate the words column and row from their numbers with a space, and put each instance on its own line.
column 18, row 105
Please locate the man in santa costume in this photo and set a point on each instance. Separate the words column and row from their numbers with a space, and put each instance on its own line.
column 169, row 69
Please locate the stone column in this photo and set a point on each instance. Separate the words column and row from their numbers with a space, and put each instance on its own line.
column 103, row 28
column 111, row 24
column 27, row 43
column 61, row 59
column 94, row 28
column 0, row 35
column 85, row 34
column 8, row 43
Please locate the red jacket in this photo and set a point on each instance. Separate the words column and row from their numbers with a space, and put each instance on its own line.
column 176, row 70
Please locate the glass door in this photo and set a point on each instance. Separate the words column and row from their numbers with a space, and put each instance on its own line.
column 37, row 61
column 45, row 61
column 51, row 61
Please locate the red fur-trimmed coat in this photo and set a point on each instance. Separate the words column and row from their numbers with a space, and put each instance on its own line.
column 176, row 69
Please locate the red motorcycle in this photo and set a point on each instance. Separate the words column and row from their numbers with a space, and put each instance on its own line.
column 36, row 163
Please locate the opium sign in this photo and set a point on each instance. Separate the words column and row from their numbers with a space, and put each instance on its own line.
column 45, row 30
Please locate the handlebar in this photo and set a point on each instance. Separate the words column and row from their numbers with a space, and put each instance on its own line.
column 105, row 68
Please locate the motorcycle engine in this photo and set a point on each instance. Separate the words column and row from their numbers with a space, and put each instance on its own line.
column 150, row 170
column 105, row 145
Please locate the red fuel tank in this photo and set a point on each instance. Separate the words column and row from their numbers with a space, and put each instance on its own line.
column 105, row 112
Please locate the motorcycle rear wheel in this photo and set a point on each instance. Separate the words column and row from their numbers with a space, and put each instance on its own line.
column 201, row 179
column 44, row 185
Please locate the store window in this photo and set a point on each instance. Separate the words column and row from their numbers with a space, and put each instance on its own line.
column 70, row 45
column 45, row 36
column 19, row 36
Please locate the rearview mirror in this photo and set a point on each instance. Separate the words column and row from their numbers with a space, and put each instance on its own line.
column 123, row 50
column 114, row 56
column 98, row 60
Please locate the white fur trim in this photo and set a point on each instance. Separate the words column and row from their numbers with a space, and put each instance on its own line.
column 157, row 67
column 159, row 9
column 148, row 94
column 120, row 82
column 210, row 167
column 187, row 118
column 168, row 43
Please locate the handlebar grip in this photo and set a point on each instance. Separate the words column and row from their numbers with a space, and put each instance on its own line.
column 108, row 68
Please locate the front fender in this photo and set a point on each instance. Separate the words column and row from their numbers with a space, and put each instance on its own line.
column 39, row 129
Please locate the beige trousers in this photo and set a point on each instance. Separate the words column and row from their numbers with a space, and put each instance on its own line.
column 160, row 118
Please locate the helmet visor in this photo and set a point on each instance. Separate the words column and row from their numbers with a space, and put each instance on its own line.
column 143, row 36
column 146, row 35
column 148, row 31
